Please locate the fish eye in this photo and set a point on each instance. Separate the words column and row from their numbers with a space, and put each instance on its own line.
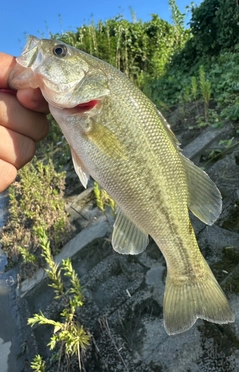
column 60, row 50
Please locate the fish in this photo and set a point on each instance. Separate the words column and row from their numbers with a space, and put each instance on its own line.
column 119, row 138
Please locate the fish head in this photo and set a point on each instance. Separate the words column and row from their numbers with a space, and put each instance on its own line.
column 64, row 74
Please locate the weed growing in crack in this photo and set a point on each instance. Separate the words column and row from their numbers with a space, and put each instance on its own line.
column 68, row 333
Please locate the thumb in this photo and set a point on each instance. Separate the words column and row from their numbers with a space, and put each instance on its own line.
column 32, row 99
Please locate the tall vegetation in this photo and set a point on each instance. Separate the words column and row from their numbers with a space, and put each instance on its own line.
column 211, row 55
column 214, row 28
column 135, row 48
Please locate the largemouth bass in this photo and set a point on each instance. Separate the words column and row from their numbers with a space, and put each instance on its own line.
column 118, row 137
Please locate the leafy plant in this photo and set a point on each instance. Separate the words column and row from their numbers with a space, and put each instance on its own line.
column 205, row 88
column 214, row 28
column 27, row 256
column 36, row 201
column 226, row 143
column 194, row 87
column 178, row 22
column 103, row 199
column 231, row 113
column 53, row 271
column 139, row 49
column 38, row 364
column 68, row 333
column 224, row 146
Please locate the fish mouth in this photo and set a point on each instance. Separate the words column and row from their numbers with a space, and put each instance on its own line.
column 87, row 106
column 81, row 108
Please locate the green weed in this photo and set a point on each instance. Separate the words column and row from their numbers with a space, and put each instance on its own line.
column 68, row 333
column 194, row 87
column 38, row 364
column 36, row 201
column 224, row 146
column 26, row 255
column 205, row 88
column 103, row 199
column 231, row 113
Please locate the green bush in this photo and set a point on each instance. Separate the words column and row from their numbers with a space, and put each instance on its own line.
column 36, row 200
column 140, row 49
column 214, row 28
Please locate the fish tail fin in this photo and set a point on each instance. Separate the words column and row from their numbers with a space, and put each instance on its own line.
column 185, row 303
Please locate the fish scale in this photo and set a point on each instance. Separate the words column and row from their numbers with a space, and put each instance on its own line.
column 118, row 137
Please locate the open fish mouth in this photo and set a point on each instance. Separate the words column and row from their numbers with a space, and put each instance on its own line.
column 86, row 106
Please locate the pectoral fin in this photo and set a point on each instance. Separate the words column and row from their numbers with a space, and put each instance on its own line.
column 127, row 237
column 205, row 199
column 79, row 169
column 107, row 141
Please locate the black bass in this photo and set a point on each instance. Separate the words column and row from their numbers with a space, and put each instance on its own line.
column 118, row 137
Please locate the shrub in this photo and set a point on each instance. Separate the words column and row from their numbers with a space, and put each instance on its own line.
column 36, row 200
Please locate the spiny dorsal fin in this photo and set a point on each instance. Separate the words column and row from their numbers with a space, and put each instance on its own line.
column 127, row 238
column 205, row 199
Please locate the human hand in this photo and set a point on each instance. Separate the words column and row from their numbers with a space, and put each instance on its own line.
column 23, row 122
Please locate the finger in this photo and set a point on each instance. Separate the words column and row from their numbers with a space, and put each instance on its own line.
column 15, row 148
column 17, row 118
column 8, row 174
column 7, row 63
column 32, row 99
